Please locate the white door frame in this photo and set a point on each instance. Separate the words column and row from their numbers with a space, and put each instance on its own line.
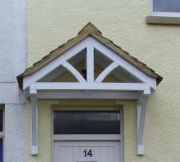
column 89, row 137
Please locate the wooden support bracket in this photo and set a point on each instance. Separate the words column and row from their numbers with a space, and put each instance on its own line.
column 141, row 111
column 34, row 126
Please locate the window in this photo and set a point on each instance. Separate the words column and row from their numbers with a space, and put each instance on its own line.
column 166, row 7
column 164, row 12
column 86, row 122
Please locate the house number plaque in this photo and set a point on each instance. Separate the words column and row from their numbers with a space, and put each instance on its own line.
column 88, row 153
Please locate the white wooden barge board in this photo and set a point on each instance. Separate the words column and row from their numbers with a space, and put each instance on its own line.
column 123, row 63
column 85, row 137
column 87, row 95
column 88, row 43
column 92, row 86
column 54, row 64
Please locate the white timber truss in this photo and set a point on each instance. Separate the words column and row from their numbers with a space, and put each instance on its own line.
column 133, row 83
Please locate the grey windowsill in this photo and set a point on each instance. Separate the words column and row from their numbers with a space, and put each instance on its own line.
column 161, row 20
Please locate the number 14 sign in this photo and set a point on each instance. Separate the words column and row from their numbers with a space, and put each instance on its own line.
column 88, row 153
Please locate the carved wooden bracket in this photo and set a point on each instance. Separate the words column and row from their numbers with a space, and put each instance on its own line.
column 141, row 111
column 34, row 131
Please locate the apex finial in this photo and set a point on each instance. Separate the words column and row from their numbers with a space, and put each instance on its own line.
column 89, row 28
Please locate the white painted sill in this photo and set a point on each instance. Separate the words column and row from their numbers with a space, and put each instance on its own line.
column 162, row 20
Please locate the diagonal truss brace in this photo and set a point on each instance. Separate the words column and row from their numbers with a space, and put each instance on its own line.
column 141, row 111
column 34, row 124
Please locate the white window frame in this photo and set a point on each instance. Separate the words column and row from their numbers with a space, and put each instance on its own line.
column 2, row 133
column 163, row 14
column 90, row 137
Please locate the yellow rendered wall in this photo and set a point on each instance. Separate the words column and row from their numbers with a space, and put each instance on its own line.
column 45, row 134
column 52, row 22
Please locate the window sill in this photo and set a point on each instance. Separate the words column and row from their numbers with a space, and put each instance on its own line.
column 162, row 20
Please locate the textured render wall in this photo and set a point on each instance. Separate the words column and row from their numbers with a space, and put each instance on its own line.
column 13, row 39
column 15, row 133
column 51, row 23
column 12, row 63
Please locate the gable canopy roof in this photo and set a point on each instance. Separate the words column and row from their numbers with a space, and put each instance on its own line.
column 95, row 53
column 88, row 30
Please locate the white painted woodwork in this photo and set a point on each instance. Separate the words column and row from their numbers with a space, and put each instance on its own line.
column 53, row 75
column 106, row 72
column 92, row 86
column 54, row 64
column 89, row 88
column 123, row 63
column 73, row 71
column 90, row 64
column 50, row 94
column 34, row 131
column 87, row 137
column 141, row 112
column 120, row 74
column 107, row 151
column 90, row 44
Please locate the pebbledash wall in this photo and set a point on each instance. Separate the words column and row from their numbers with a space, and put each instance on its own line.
column 51, row 23
column 12, row 63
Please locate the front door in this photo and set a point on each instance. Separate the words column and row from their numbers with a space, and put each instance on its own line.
column 93, row 151
column 87, row 136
